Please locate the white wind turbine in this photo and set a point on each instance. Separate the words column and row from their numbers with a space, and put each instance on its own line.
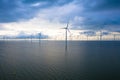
column 66, row 34
column 66, row 31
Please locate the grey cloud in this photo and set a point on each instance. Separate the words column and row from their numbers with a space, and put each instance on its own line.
column 88, row 33
column 15, row 10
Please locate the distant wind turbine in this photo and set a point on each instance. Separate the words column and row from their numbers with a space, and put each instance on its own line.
column 39, row 35
column 100, row 34
column 114, row 36
column 31, row 37
column 87, row 37
column 101, row 31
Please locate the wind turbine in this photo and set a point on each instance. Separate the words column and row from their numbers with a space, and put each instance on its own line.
column 66, row 31
column 39, row 36
column 100, row 34
column 66, row 34
column 114, row 36
column 101, row 31
column 31, row 37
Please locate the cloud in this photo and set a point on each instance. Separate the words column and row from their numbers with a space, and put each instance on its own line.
column 97, row 13
column 101, row 5
column 60, row 13
column 105, row 33
column 2, row 27
column 88, row 33
column 17, row 10
column 12, row 11
column 82, row 14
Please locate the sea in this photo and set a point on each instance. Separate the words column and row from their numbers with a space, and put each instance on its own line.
column 59, row 60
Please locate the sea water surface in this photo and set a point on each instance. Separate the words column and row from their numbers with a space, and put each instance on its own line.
column 52, row 60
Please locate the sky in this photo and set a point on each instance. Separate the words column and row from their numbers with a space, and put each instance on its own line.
column 49, row 16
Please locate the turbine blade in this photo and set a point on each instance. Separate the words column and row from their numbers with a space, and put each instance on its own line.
column 67, row 24
column 68, row 30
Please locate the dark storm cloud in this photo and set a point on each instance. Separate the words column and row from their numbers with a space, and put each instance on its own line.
column 103, row 4
column 104, row 11
column 99, row 5
column 15, row 10
column 50, row 2
column 99, row 12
